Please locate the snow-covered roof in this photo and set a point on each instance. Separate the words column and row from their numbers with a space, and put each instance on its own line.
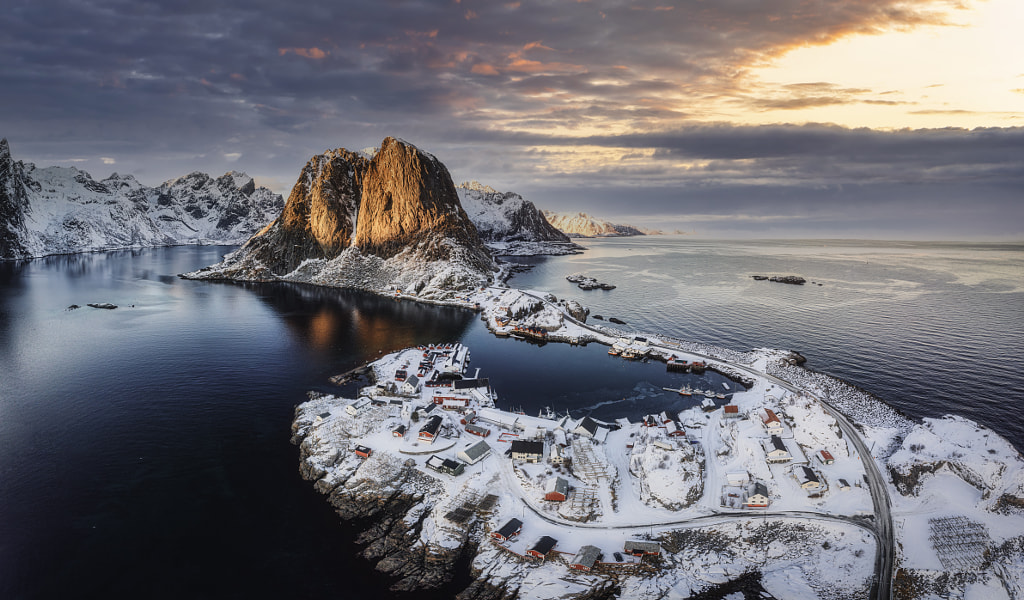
column 476, row 451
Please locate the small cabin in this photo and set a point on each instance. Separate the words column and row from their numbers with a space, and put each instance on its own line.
column 587, row 428
column 772, row 423
column 642, row 548
column 757, row 496
column 808, row 479
column 508, row 530
column 825, row 457
column 543, row 546
column 731, row 411
column 478, row 430
column 430, row 429
column 556, row 489
column 777, row 452
column 363, row 451
column 398, row 432
column 586, row 558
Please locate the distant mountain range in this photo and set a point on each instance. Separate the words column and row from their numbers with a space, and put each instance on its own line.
column 584, row 225
column 60, row 210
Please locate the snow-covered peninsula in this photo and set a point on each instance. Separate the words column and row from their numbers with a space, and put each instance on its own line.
column 790, row 481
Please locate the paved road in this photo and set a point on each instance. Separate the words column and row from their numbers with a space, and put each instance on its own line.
column 882, row 527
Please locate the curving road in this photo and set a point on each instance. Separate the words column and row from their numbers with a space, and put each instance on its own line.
column 881, row 588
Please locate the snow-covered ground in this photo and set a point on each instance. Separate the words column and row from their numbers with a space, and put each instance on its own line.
column 685, row 484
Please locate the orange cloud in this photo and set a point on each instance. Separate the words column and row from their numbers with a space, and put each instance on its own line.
column 484, row 69
column 470, row 15
column 522, row 65
column 536, row 44
column 237, row 77
column 314, row 53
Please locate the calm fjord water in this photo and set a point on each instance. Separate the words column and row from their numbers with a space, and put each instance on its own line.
column 144, row 451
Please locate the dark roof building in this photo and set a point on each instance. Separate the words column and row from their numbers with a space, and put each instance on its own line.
column 640, row 547
column 475, row 453
column 430, row 428
column 527, row 450
column 586, row 558
column 508, row 530
column 544, row 545
column 469, row 384
column 587, row 427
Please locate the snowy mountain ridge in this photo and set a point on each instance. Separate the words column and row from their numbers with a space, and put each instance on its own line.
column 509, row 224
column 60, row 210
column 583, row 225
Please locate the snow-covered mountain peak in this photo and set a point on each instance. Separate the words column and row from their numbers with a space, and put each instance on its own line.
column 58, row 210
column 583, row 225
column 5, row 149
column 476, row 186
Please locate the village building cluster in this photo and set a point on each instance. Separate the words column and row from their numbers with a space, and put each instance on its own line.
column 751, row 453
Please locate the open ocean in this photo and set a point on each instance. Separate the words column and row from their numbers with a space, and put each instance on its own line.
column 144, row 451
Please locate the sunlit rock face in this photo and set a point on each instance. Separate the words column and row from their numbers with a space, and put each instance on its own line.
column 409, row 200
column 319, row 217
column 388, row 222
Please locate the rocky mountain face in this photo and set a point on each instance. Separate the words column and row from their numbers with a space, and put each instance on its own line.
column 505, row 216
column 584, row 225
column 60, row 210
column 13, row 204
column 384, row 223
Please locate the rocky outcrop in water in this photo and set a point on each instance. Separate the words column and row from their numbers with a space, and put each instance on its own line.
column 63, row 210
column 387, row 223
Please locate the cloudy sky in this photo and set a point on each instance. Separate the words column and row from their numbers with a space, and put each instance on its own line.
column 766, row 118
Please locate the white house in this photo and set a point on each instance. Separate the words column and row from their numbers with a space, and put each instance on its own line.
column 527, row 451
column 587, row 428
column 772, row 423
column 411, row 385
column 776, row 451
column 737, row 478
column 808, row 478
column 475, row 453
column 757, row 495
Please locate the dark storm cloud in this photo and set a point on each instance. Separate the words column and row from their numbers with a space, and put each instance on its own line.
column 172, row 86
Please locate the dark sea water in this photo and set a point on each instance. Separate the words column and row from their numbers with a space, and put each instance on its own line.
column 931, row 328
column 144, row 451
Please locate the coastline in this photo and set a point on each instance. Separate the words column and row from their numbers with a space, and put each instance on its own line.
column 504, row 309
